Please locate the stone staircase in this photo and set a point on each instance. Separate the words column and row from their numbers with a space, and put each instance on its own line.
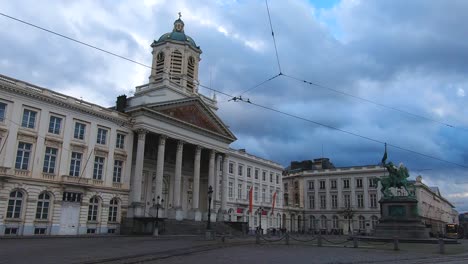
column 190, row 227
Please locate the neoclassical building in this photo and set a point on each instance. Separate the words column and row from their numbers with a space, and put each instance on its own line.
column 321, row 197
column 72, row 167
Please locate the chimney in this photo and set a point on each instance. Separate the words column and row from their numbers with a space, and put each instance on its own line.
column 121, row 103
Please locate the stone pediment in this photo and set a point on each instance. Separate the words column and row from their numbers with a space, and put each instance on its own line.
column 196, row 113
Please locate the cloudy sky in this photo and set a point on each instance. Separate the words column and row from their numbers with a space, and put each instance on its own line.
column 411, row 56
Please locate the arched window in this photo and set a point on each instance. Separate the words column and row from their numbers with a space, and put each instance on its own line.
column 159, row 66
column 113, row 210
column 43, row 204
column 362, row 222
column 335, row 222
column 176, row 66
column 191, row 73
column 374, row 221
column 323, row 222
column 14, row 204
column 312, row 222
column 93, row 209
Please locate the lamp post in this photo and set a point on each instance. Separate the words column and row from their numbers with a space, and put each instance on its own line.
column 210, row 196
column 260, row 211
column 348, row 213
column 157, row 204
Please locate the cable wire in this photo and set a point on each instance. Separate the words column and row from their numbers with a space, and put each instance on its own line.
column 262, row 83
column 273, row 35
column 239, row 98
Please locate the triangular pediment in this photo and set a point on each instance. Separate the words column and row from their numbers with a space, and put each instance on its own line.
column 194, row 112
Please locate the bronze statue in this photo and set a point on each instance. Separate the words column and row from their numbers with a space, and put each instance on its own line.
column 397, row 178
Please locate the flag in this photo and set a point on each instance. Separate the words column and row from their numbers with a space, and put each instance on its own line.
column 274, row 201
column 384, row 158
column 250, row 199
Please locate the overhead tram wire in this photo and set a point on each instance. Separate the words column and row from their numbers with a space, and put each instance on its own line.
column 273, row 36
column 239, row 98
column 373, row 102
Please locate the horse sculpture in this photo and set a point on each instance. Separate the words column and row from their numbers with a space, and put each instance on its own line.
column 397, row 178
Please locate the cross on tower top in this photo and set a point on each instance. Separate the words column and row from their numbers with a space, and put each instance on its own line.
column 180, row 15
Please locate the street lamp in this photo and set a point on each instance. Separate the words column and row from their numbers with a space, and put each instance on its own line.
column 157, row 204
column 210, row 196
column 260, row 211
column 349, row 213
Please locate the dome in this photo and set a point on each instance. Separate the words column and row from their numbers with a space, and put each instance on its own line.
column 177, row 34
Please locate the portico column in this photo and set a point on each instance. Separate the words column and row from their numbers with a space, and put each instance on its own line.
column 177, row 180
column 211, row 172
column 160, row 167
column 224, row 184
column 196, row 183
column 136, row 186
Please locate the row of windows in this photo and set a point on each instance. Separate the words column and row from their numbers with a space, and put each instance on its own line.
column 16, row 200
column 346, row 184
column 23, row 156
column 240, row 172
column 29, row 120
column 240, row 195
column 346, row 199
column 323, row 222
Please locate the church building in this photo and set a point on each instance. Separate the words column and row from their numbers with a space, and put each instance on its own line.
column 70, row 167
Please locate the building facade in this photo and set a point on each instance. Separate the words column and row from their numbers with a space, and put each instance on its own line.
column 321, row 198
column 71, row 167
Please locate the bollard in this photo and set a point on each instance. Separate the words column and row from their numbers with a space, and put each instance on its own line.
column 395, row 243
column 441, row 246
column 257, row 238
column 287, row 238
column 355, row 242
column 319, row 240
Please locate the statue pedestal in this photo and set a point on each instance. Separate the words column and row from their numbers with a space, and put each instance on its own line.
column 400, row 218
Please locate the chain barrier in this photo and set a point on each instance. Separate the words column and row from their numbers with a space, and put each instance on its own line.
column 273, row 240
column 336, row 243
column 300, row 240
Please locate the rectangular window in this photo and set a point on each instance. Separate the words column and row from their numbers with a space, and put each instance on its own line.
column 75, row 164
column 91, row 231
column 80, row 130
column 240, row 170
column 358, row 183
column 29, row 118
column 98, row 168
column 285, row 187
column 71, row 197
column 55, row 125
column 256, row 174
column 263, row 194
column 333, row 184
column 40, row 231
column 271, row 177
column 2, row 112
column 256, row 194
column 231, row 168
column 231, row 186
column 311, row 201
column 311, row 185
column 117, row 176
column 11, row 231
column 373, row 182
column 22, row 155
column 346, row 184
column 277, row 178
column 120, row 141
column 360, row 200
column 50, row 159
column 101, row 136
column 322, row 185
column 334, row 201
column 111, row 231
column 239, row 191
column 373, row 200
column 263, row 175
column 249, row 172
column 323, row 202
column 347, row 201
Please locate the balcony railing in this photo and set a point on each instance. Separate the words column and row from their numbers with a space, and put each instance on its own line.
column 22, row 173
column 48, row 176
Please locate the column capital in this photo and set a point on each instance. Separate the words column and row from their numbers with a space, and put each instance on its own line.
column 141, row 133
column 162, row 140
column 198, row 149
column 180, row 145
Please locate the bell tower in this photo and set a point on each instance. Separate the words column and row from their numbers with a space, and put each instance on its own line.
column 175, row 60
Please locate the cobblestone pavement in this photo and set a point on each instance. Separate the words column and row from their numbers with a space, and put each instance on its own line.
column 169, row 250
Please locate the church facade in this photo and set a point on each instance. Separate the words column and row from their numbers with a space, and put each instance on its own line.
column 70, row 167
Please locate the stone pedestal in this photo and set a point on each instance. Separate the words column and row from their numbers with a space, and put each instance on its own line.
column 400, row 218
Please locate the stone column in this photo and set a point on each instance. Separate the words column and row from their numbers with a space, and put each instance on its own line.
column 177, row 180
column 196, row 184
column 216, row 186
column 160, row 166
column 224, row 187
column 138, row 173
column 211, row 173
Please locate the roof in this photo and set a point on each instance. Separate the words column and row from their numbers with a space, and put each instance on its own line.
column 177, row 34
